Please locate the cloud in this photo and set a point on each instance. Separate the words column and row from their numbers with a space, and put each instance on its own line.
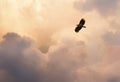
column 17, row 61
column 36, row 18
column 104, row 7
column 112, row 38
column 66, row 61
column 110, row 64
column 72, row 57
column 24, row 62
column 92, row 55
column 65, row 58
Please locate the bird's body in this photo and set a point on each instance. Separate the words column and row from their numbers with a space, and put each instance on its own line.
column 80, row 25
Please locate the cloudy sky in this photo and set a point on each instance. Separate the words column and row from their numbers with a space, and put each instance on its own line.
column 38, row 42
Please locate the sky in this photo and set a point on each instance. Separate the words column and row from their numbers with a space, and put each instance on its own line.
column 38, row 42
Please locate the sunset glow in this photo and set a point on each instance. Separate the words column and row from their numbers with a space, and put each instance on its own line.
column 38, row 42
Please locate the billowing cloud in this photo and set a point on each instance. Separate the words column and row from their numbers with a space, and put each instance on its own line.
column 89, row 56
column 24, row 62
column 17, row 61
column 66, row 61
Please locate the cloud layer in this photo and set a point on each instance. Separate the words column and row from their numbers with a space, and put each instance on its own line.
column 22, row 61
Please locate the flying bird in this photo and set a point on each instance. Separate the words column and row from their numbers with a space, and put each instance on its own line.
column 80, row 25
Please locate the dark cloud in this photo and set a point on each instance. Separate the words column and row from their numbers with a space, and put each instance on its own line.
column 17, row 65
column 113, row 79
column 104, row 7
column 22, row 61
column 112, row 38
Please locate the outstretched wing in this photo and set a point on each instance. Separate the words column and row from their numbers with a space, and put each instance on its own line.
column 82, row 22
column 78, row 28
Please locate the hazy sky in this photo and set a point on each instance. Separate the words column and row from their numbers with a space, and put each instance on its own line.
column 38, row 42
